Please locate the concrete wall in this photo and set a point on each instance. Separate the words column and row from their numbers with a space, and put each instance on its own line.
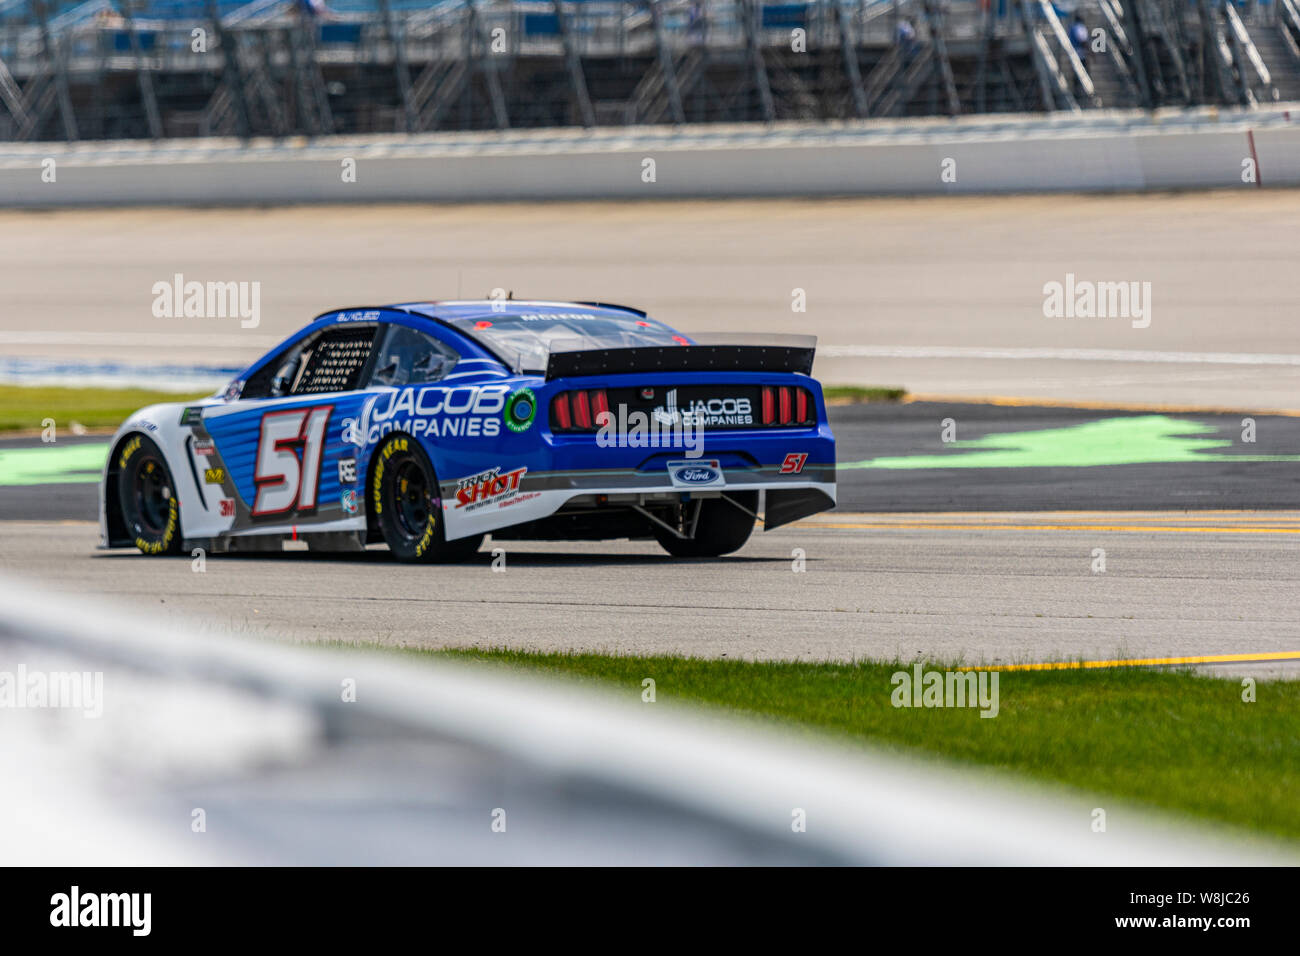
column 1111, row 151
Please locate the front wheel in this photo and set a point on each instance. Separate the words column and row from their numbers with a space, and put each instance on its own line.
column 721, row 529
column 147, row 497
column 407, row 506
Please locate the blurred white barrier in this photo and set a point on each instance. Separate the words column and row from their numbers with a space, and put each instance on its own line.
column 416, row 769
column 1101, row 151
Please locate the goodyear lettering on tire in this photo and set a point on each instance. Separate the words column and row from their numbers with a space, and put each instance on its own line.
column 427, row 539
column 129, row 449
column 388, row 451
column 158, row 547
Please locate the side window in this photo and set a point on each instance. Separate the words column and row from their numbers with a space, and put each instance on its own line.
column 268, row 381
column 332, row 361
column 410, row 357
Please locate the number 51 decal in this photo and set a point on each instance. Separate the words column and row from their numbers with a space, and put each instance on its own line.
column 290, row 446
column 793, row 463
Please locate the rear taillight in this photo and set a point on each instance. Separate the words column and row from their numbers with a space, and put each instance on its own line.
column 788, row 405
column 581, row 411
column 561, row 417
column 578, row 411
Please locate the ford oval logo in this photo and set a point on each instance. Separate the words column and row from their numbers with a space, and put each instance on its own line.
column 696, row 475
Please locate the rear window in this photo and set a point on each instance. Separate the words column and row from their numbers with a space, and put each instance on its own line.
column 524, row 340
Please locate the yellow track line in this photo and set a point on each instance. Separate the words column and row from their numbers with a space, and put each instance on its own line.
column 1144, row 662
column 1281, row 517
column 1049, row 527
column 1153, row 513
column 1140, row 515
column 1018, row 402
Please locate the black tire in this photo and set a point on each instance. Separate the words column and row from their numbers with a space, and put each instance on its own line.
column 722, row 529
column 146, row 494
column 404, row 501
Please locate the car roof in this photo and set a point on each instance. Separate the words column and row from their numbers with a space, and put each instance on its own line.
column 439, row 312
column 477, row 308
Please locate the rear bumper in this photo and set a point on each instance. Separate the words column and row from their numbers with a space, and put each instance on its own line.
column 795, row 467
column 544, row 495
column 646, row 480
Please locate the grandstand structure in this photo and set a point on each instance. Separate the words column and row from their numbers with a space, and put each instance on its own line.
column 121, row 69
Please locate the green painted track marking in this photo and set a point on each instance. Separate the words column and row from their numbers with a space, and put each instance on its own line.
column 53, row 464
column 1132, row 440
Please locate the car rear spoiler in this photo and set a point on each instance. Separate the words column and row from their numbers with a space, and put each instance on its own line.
column 682, row 358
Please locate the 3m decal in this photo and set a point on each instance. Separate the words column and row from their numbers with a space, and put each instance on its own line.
column 227, row 507
column 290, row 446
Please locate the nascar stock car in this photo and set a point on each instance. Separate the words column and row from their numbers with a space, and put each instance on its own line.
column 427, row 425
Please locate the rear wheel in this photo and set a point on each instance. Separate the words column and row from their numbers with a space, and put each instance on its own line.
column 406, row 505
column 147, row 497
column 721, row 529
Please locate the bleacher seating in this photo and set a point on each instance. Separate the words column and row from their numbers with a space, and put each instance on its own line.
column 692, row 61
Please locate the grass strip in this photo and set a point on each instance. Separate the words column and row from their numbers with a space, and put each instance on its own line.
column 1170, row 738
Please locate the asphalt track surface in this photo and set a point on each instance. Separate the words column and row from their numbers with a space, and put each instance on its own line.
column 942, row 295
column 965, row 563
column 893, row 458
column 972, row 589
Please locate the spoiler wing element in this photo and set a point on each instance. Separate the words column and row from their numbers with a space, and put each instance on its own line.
column 681, row 358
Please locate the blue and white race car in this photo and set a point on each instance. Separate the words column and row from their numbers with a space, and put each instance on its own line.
column 428, row 425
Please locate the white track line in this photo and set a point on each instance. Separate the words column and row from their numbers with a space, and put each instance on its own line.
column 1068, row 355
column 238, row 340
column 233, row 340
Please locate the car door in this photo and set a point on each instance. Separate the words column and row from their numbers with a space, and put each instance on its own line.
column 281, row 444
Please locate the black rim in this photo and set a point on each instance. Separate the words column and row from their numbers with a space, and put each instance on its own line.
column 411, row 497
column 152, row 493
